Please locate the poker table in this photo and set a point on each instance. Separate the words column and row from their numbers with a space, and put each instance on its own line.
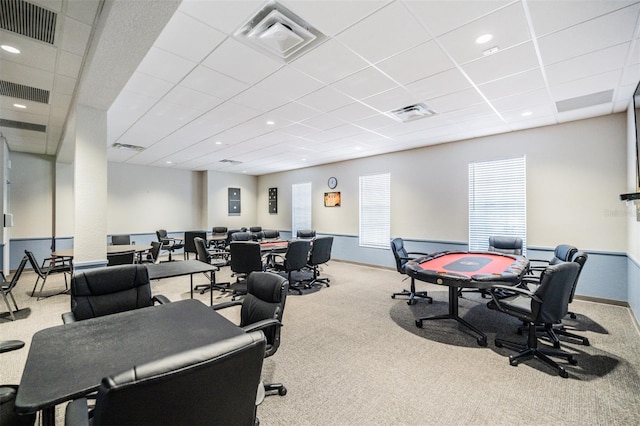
column 457, row 269
column 277, row 246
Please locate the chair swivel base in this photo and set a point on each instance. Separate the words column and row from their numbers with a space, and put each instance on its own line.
column 412, row 296
column 269, row 387
column 553, row 330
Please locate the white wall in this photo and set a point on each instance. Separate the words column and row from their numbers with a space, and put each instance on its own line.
column 575, row 172
column 218, row 213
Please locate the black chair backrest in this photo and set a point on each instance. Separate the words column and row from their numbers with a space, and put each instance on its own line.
column 551, row 299
column 321, row 250
column 16, row 274
column 399, row 254
column 124, row 258
column 219, row 230
column 178, row 389
column 270, row 234
column 34, row 263
column 161, row 234
column 230, row 233
column 245, row 257
column 255, row 229
column 201, row 250
column 506, row 245
column 297, row 255
column 189, row 245
column 105, row 291
column 580, row 258
column 155, row 250
column 306, row 233
column 265, row 299
column 562, row 253
column 120, row 240
column 242, row 236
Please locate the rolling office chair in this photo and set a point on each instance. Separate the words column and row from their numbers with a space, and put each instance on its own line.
column 105, row 291
column 262, row 309
column 189, row 244
column 219, row 236
column 246, row 257
column 270, row 234
column 8, row 415
column 294, row 260
column 320, row 254
column 217, row 384
column 306, row 233
column 121, row 240
column 50, row 266
column 169, row 244
column 402, row 256
column 549, row 303
column 242, row 236
column 562, row 253
column 6, row 287
column 205, row 256
column 153, row 256
column 124, row 258
column 256, row 232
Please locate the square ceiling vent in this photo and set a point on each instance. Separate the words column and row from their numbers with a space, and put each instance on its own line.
column 278, row 32
column 412, row 112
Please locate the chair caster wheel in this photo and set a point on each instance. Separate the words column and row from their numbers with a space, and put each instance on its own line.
column 411, row 302
column 419, row 323
column 393, row 296
column 282, row 391
column 513, row 362
column 498, row 344
column 482, row 341
column 586, row 342
column 563, row 373
column 572, row 361
column 556, row 345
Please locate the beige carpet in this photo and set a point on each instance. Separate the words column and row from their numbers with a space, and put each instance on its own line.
column 352, row 355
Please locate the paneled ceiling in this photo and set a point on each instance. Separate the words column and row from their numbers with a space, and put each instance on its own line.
column 203, row 97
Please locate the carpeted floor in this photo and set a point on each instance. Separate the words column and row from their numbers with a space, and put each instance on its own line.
column 352, row 355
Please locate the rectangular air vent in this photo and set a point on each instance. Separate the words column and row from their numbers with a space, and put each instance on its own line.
column 22, row 125
column 29, row 20
column 21, row 91
column 412, row 112
column 585, row 101
column 231, row 161
column 127, row 146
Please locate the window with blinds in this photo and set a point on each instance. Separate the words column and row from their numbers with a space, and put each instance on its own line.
column 497, row 201
column 301, row 205
column 375, row 211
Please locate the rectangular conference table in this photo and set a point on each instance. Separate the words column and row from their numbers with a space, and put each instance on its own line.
column 178, row 268
column 69, row 361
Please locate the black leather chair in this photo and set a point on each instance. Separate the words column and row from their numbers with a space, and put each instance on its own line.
column 506, row 245
column 7, row 286
column 402, row 256
column 217, row 384
column 320, row 254
column 294, row 260
column 242, row 236
column 153, row 255
column 50, row 266
column 246, row 258
column 124, row 258
column 270, row 234
column 206, row 256
column 219, row 234
column 262, row 309
column 306, row 233
column 548, row 304
column 169, row 244
column 106, row 291
column 256, row 232
column 562, row 253
column 121, row 240
column 8, row 415
column 189, row 245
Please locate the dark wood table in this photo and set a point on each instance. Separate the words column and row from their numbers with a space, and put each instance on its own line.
column 179, row 268
column 69, row 361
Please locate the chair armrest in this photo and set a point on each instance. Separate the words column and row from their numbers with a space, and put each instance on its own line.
column 514, row 289
column 226, row 305
column 418, row 253
column 261, row 325
column 160, row 299
column 68, row 318
column 77, row 413
column 10, row 345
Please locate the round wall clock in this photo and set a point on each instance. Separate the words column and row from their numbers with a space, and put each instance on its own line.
column 332, row 182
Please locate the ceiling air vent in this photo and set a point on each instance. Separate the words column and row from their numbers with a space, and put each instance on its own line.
column 127, row 146
column 277, row 31
column 28, row 20
column 21, row 91
column 585, row 101
column 412, row 112
column 231, row 161
column 22, row 125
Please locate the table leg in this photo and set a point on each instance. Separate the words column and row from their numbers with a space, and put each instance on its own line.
column 49, row 416
column 191, row 277
column 453, row 314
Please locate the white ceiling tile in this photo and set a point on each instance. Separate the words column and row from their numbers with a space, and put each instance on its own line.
column 375, row 122
column 32, row 53
column 213, row 83
column 533, row 122
column 523, row 101
column 290, row 83
column 226, row 16
column 192, row 99
column 183, row 37
column 585, row 86
column 354, row 111
column 456, row 101
column 231, row 58
column 504, row 63
column 437, row 85
column 325, row 99
column 513, row 84
column 83, row 10
column 28, row 76
column 417, row 63
column 69, row 64
column 329, row 62
column 508, row 26
column 260, row 99
column 75, row 36
column 590, row 36
column 147, row 85
column 294, row 111
column 392, row 99
column 583, row 113
column 322, row 122
column 365, row 83
column 54, row 5
column 64, row 85
column 125, row 111
column 385, row 33
column 165, row 65
column 534, row 112
column 10, row 113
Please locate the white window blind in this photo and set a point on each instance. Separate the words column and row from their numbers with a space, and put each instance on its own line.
column 497, row 201
column 375, row 210
column 301, row 204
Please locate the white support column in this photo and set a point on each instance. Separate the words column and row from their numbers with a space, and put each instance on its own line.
column 90, row 188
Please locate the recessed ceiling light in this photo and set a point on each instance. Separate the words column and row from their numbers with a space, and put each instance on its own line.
column 526, row 113
column 484, row 38
column 9, row 49
column 19, row 106
column 169, row 162
column 303, row 159
column 270, row 123
column 218, row 143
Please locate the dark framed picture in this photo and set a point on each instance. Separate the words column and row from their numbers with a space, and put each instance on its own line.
column 273, row 200
column 332, row 199
column 234, row 202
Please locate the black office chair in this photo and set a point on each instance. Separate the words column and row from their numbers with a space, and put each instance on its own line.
column 402, row 256
column 548, row 304
column 169, row 244
column 294, row 260
column 270, row 234
column 105, row 291
column 205, row 256
column 506, row 245
column 320, row 254
column 217, row 384
column 8, row 415
column 121, row 240
column 50, row 266
column 7, row 286
column 242, row 236
column 262, row 309
column 189, row 245
column 562, row 253
column 220, row 236
column 124, row 258
column 246, row 258
column 306, row 233
column 256, row 232
column 153, row 255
